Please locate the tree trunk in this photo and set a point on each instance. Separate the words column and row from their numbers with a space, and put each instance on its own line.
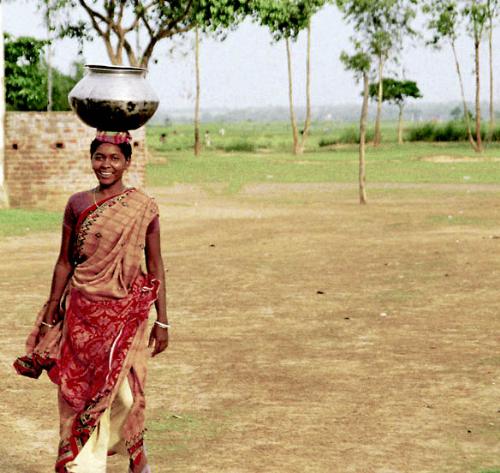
column 362, row 141
column 49, row 61
column 479, row 146
column 378, row 135
column 4, row 201
column 293, row 121
column 307, row 122
column 491, row 126
column 400, row 124
column 197, row 143
column 464, row 102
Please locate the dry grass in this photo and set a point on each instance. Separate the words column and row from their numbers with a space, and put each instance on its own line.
column 309, row 334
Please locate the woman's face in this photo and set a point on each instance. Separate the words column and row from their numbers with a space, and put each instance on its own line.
column 109, row 164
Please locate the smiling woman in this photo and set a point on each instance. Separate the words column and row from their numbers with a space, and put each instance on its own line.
column 90, row 336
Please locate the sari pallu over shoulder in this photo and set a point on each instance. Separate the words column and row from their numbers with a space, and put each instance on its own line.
column 110, row 241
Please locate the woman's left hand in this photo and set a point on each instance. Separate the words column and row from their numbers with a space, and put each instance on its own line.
column 158, row 339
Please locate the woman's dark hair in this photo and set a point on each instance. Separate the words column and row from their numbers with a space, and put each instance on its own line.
column 125, row 148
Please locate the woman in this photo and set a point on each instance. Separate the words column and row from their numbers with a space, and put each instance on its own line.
column 90, row 335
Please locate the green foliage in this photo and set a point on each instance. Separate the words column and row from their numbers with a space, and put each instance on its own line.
column 62, row 85
column 359, row 62
column 443, row 20
column 116, row 22
column 348, row 136
column 455, row 130
column 380, row 25
column 476, row 14
column 285, row 18
column 26, row 77
column 24, row 84
column 239, row 145
column 395, row 91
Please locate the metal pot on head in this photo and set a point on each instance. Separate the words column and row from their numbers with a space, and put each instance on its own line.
column 114, row 98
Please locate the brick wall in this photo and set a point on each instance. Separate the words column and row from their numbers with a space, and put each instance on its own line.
column 47, row 158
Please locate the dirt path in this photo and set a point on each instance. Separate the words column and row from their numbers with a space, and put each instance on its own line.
column 309, row 335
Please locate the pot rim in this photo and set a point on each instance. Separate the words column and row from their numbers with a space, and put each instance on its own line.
column 106, row 68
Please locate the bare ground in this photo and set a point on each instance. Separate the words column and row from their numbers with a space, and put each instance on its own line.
column 310, row 334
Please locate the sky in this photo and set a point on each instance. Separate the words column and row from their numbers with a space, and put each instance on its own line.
column 248, row 70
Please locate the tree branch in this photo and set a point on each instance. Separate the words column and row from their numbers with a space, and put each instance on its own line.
column 95, row 14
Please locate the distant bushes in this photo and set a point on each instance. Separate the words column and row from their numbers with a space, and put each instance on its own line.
column 347, row 136
column 239, row 145
column 450, row 131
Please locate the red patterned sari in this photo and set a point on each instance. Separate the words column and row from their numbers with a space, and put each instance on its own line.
column 101, row 342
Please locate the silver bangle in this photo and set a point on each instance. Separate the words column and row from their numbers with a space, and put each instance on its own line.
column 46, row 324
column 161, row 324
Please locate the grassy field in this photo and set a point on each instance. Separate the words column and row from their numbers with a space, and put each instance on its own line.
column 251, row 153
column 271, row 161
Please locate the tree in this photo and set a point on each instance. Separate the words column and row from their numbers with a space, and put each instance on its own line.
column 475, row 13
column 48, row 24
column 360, row 64
column 380, row 25
column 492, row 12
column 26, row 76
column 285, row 19
column 62, row 85
column 25, row 87
column 396, row 92
column 4, row 201
column 457, row 114
column 444, row 22
column 197, row 141
column 118, row 22
column 215, row 26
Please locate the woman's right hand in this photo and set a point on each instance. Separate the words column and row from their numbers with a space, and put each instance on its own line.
column 50, row 317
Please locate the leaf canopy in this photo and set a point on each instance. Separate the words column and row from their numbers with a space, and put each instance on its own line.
column 395, row 91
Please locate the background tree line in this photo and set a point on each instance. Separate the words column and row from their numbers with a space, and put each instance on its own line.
column 131, row 30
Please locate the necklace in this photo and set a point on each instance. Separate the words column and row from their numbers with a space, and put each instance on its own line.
column 94, row 192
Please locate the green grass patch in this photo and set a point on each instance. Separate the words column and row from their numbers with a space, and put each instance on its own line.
column 178, row 433
column 14, row 222
column 389, row 163
column 461, row 220
column 347, row 136
column 240, row 145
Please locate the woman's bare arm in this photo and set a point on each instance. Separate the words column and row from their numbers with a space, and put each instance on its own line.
column 62, row 272
column 155, row 266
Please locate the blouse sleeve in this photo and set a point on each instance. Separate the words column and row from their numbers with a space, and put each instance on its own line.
column 69, row 220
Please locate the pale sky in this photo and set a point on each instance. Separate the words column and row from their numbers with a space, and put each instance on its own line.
column 248, row 70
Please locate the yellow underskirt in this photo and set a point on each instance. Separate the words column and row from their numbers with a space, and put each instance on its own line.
column 106, row 436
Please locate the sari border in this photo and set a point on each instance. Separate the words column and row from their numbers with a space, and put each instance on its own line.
column 85, row 213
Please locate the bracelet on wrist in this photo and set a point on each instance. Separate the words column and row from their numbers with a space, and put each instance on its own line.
column 46, row 324
column 161, row 324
